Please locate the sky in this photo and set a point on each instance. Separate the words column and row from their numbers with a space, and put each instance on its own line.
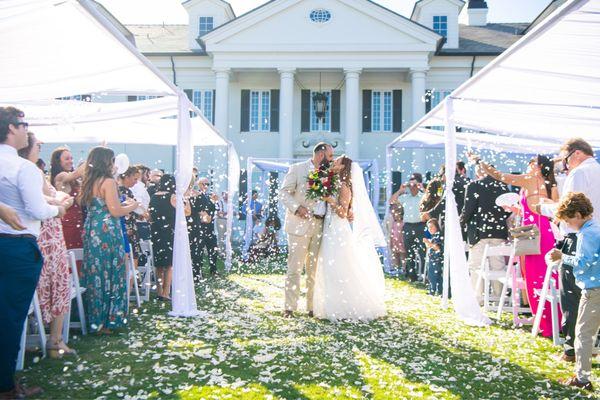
column 171, row 11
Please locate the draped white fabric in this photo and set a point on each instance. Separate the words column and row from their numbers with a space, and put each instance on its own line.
column 455, row 262
column 366, row 228
column 184, row 296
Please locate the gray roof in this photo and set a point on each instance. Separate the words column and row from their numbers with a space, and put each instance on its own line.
column 491, row 39
column 163, row 39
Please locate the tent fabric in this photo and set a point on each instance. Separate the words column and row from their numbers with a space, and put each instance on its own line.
column 544, row 86
column 542, row 90
column 43, row 59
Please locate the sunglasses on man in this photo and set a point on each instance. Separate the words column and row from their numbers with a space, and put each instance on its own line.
column 25, row 124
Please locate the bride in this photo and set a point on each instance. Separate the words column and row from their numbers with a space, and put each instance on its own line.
column 349, row 282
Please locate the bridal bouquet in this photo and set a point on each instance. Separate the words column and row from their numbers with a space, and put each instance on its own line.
column 320, row 183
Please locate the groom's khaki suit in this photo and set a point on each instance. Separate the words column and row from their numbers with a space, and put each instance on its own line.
column 304, row 235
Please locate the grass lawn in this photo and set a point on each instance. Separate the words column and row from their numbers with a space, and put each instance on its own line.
column 244, row 349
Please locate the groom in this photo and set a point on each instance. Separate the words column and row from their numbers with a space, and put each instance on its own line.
column 304, row 226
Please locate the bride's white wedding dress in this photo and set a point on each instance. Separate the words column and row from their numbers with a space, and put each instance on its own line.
column 349, row 282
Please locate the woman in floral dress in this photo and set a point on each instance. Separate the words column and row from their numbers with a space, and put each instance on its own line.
column 105, row 271
column 54, row 285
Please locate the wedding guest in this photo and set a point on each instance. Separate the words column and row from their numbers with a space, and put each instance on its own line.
column 393, row 227
column 266, row 244
column 54, row 285
column 162, row 221
column 222, row 206
column 431, row 198
column 486, row 225
column 21, row 188
column 435, row 257
column 576, row 211
column 127, row 180
column 255, row 206
column 67, row 179
column 537, row 183
column 577, row 157
column 141, row 195
column 409, row 195
column 203, row 206
column 193, row 224
column 154, row 180
column 104, row 266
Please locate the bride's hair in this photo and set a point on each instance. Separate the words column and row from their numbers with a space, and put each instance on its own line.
column 346, row 172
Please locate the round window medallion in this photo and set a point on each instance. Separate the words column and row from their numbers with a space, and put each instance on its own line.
column 320, row 16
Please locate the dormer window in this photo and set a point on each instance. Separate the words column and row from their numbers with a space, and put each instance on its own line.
column 440, row 25
column 206, row 25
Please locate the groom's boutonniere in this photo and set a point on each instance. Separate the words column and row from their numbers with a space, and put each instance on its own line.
column 321, row 183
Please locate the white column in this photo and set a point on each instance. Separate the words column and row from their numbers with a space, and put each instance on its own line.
column 286, row 112
column 222, row 101
column 352, row 112
column 417, row 78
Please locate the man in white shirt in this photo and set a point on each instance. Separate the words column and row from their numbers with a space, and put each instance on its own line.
column 140, row 193
column 583, row 176
column 222, row 221
column 409, row 195
column 20, row 189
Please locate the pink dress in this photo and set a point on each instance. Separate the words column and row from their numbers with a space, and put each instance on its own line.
column 54, row 286
column 535, row 266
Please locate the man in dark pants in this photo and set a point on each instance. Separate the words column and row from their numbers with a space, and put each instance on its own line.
column 570, row 294
column 20, row 190
column 205, row 207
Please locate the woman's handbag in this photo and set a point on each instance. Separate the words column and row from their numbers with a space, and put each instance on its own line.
column 527, row 240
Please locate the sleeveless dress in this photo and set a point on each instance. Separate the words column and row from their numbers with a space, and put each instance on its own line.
column 54, row 288
column 535, row 266
column 72, row 222
column 349, row 281
column 104, row 268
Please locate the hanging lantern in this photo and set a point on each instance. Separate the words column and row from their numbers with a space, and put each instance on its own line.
column 320, row 104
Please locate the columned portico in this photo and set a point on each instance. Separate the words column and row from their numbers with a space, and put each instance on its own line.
column 286, row 112
column 352, row 111
column 417, row 78
column 222, row 100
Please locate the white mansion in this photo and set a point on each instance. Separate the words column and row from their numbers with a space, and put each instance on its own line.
column 255, row 75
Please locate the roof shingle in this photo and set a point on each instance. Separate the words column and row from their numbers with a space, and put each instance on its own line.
column 488, row 39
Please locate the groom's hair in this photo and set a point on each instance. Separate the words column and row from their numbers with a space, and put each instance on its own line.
column 321, row 146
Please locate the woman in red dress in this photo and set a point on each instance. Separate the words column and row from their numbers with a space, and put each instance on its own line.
column 54, row 286
column 65, row 179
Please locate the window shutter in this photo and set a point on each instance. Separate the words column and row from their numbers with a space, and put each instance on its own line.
column 428, row 95
column 397, row 111
column 366, row 110
column 275, row 110
column 396, row 181
column 214, row 106
column 335, row 111
column 245, row 111
column 131, row 98
column 190, row 94
column 305, row 111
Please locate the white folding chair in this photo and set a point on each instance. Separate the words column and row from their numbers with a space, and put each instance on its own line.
column 132, row 275
column 485, row 276
column 147, row 270
column 34, row 308
column 75, row 255
column 513, row 280
column 548, row 294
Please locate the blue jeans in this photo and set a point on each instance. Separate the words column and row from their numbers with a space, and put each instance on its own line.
column 435, row 270
column 20, row 267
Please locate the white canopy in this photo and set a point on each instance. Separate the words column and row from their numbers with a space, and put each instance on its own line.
column 58, row 48
column 541, row 91
column 546, row 86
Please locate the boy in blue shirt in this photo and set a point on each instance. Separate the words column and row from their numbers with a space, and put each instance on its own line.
column 576, row 211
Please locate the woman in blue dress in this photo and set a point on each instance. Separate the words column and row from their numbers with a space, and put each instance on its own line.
column 104, row 268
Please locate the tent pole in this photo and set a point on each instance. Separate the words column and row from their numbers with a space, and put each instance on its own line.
column 249, row 211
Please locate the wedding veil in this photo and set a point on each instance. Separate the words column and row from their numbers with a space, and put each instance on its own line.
column 365, row 227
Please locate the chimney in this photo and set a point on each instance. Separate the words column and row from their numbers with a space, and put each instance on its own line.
column 477, row 11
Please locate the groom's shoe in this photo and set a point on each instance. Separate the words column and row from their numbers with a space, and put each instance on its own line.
column 311, row 314
column 288, row 314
